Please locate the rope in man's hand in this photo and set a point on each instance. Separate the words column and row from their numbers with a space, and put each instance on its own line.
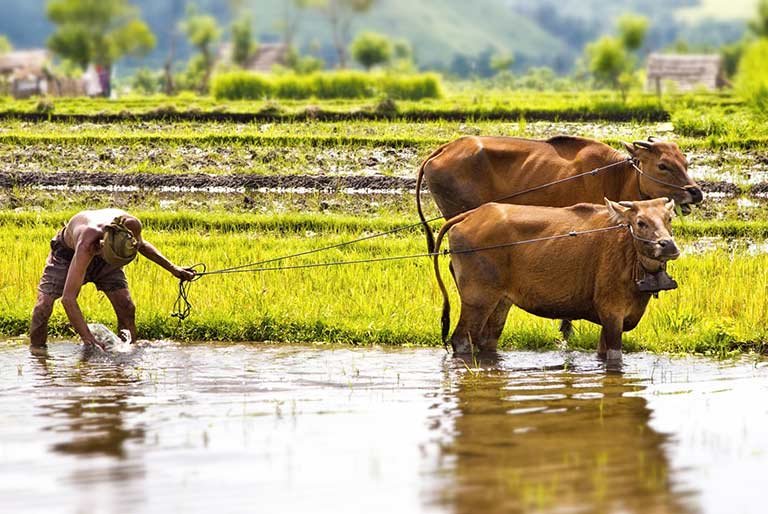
column 182, row 307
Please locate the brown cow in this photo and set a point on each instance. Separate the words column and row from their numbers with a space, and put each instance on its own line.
column 471, row 171
column 591, row 276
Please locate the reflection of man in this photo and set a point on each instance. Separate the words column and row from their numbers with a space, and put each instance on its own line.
column 93, row 247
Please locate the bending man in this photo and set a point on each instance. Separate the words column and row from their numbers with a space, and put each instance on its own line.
column 93, row 247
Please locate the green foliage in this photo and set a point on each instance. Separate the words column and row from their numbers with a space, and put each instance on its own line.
column 632, row 30
column 243, row 45
column 610, row 59
column 502, row 62
column 339, row 14
column 751, row 81
column 146, row 81
column 731, row 55
column 5, row 45
column 203, row 32
column 402, row 49
column 244, row 85
column 414, row 87
column 371, row 49
column 759, row 25
column 240, row 85
column 96, row 31
column 607, row 60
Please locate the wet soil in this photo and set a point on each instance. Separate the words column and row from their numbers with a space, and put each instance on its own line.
column 372, row 112
column 189, row 182
column 246, row 182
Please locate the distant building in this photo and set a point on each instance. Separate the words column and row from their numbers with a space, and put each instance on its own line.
column 687, row 72
column 263, row 60
column 26, row 73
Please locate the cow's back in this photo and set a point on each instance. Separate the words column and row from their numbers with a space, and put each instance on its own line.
column 474, row 170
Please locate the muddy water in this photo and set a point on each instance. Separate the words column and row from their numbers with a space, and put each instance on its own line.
column 247, row 428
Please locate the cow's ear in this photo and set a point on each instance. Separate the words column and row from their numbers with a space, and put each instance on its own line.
column 617, row 212
column 630, row 148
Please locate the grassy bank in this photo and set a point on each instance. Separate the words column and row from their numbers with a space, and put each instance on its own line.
column 392, row 303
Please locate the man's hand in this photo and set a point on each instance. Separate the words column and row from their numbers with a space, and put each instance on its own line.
column 183, row 273
column 93, row 342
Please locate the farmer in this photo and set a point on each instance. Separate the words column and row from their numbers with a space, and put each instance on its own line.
column 93, row 247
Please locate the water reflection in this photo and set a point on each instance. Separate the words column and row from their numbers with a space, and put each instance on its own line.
column 553, row 438
column 92, row 412
column 83, row 402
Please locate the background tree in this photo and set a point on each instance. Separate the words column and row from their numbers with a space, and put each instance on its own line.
column 243, row 45
column 612, row 60
column 98, row 32
column 371, row 49
column 502, row 62
column 203, row 32
column 340, row 14
column 607, row 60
column 632, row 31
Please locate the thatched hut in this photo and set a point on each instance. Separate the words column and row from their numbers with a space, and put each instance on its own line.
column 686, row 72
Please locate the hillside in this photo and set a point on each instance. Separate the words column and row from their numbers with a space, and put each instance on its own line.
column 451, row 35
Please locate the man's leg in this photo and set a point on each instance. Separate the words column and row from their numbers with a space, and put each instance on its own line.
column 125, row 310
column 38, row 328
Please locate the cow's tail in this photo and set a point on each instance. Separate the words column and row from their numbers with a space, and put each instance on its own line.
column 419, row 179
column 445, row 320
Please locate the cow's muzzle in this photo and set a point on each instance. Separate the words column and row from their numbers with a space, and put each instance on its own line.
column 667, row 249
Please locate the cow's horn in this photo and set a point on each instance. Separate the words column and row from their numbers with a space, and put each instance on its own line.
column 653, row 139
column 643, row 144
column 670, row 205
column 627, row 204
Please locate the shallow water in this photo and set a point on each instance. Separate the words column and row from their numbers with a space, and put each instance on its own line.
column 255, row 427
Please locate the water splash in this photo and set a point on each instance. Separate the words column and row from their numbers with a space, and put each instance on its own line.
column 108, row 340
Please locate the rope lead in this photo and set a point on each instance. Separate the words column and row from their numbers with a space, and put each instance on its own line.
column 181, row 307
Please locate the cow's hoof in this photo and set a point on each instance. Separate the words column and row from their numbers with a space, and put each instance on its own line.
column 613, row 356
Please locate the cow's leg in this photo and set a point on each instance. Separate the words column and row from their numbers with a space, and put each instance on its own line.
column 610, row 339
column 468, row 331
column 489, row 339
column 566, row 328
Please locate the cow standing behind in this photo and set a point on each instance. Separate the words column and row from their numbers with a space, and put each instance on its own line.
column 591, row 276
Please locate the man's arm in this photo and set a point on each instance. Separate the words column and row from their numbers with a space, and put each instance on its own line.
column 153, row 254
column 75, row 277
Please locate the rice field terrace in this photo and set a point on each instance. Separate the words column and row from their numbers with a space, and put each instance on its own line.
column 231, row 183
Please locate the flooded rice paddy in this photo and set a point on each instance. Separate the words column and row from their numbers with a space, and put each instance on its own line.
column 256, row 427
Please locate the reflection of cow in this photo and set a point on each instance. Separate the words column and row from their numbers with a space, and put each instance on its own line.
column 592, row 276
column 471, row 171
column 552, row 441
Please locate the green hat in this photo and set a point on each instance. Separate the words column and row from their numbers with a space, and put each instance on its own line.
column 120, row 245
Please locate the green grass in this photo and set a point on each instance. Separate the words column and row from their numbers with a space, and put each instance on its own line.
column 243, row 85
column 390, row 303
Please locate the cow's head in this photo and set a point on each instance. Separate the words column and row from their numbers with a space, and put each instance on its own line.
column 651, row 226
column 663, row 161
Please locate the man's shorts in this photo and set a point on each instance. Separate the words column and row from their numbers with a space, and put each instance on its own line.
column 107, row 278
